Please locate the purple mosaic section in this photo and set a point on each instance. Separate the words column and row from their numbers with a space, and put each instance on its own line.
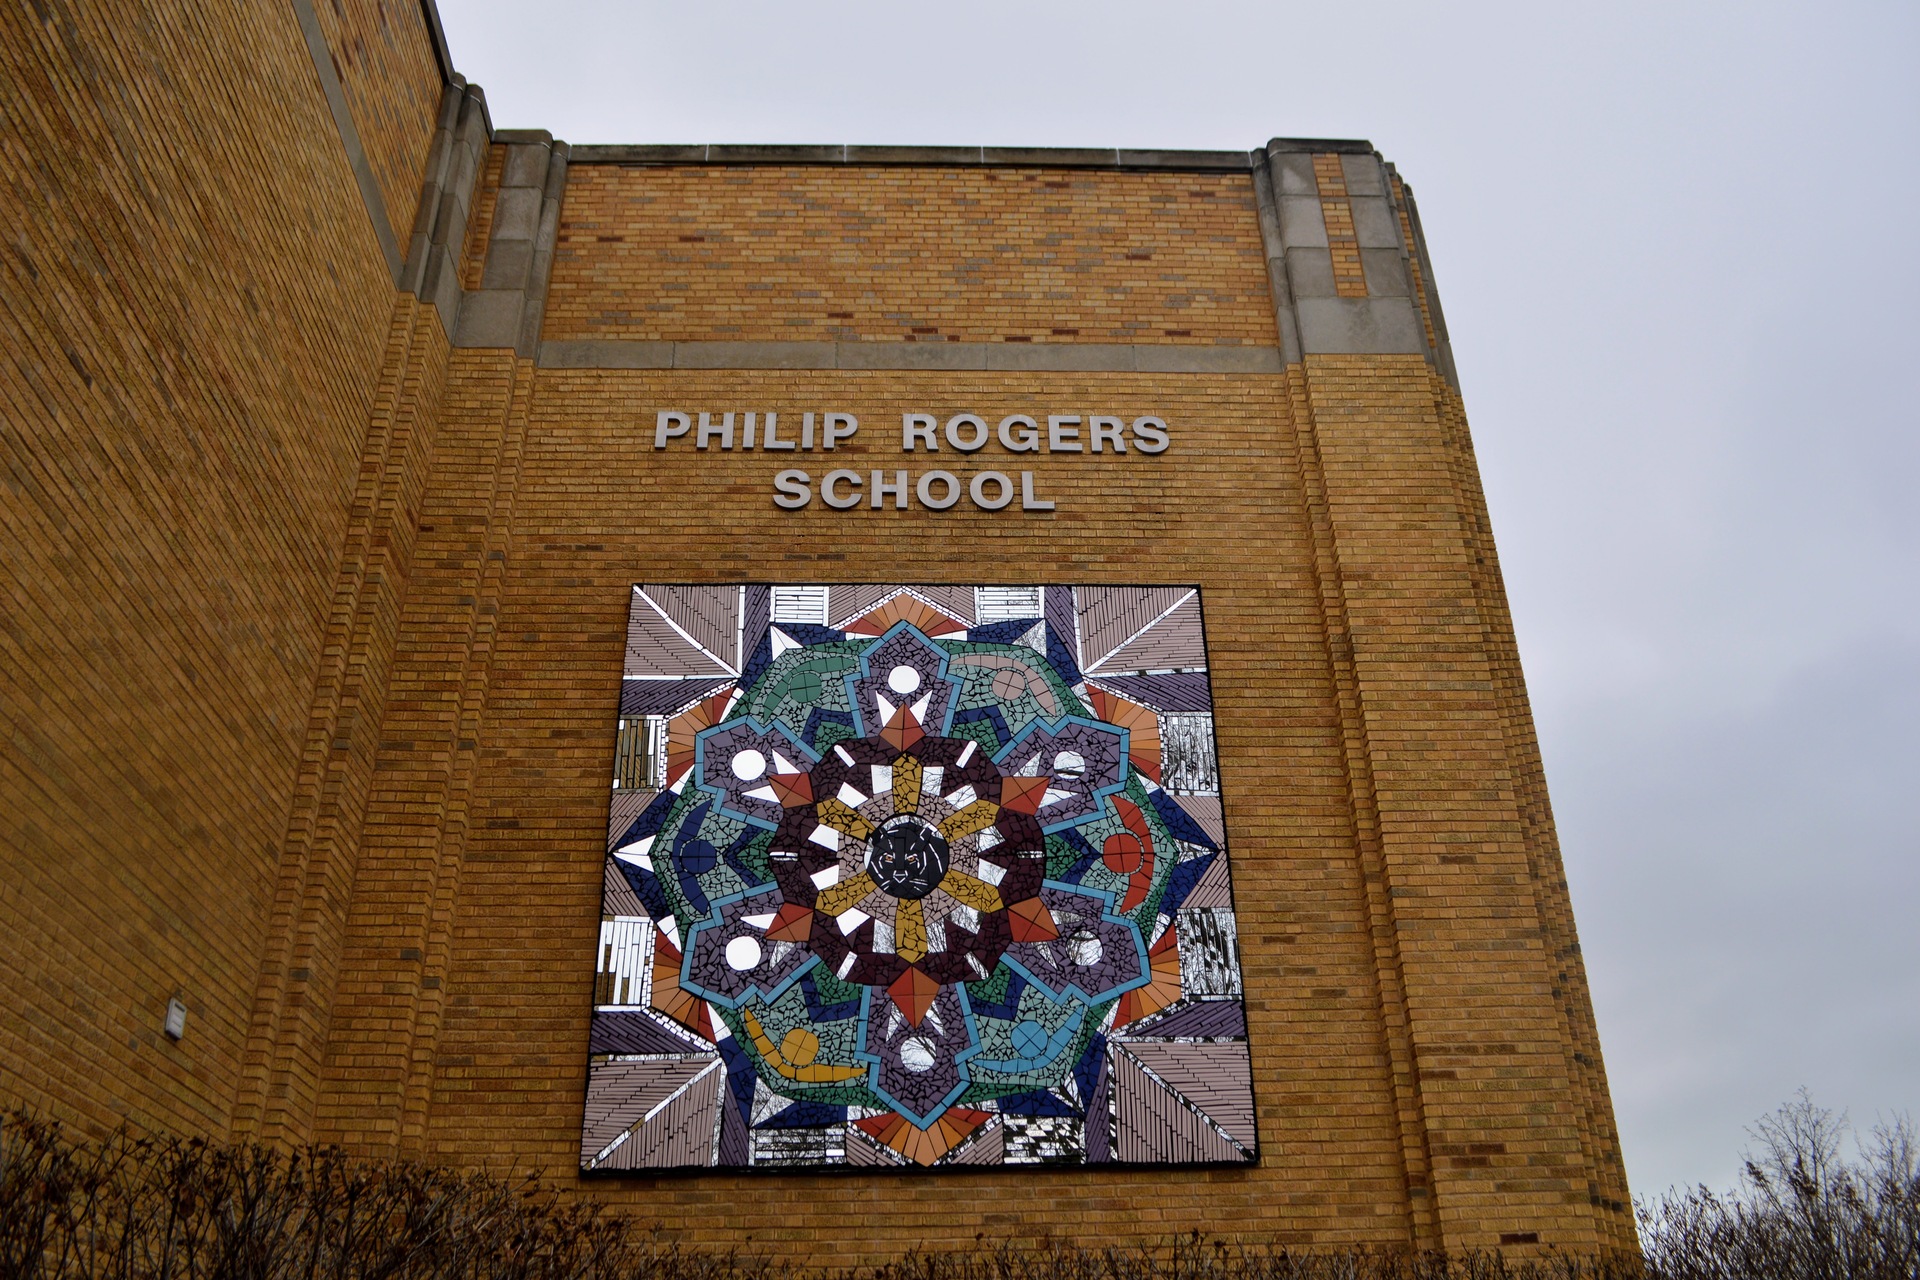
column 1099, row 1123
column 1063, row 651
column 919, row 1066
column 1102, row 767
column 911, row 650
column 734, row 749
column 755, row 617
column 1201, row 1020
column 1094, row 955
column 635, row 1033
column 1156, row 1124
column 736, row 1144
column 665, row 697
column 717, row 965
column 1175, row 691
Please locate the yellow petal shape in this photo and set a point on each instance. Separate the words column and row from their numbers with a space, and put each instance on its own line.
column 977, row 894
column 906, row 784
column 977, row 816
column 837, row 898
column 834, row 813
column 909, row 931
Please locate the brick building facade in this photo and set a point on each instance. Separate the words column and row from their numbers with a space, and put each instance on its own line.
column 330, row 464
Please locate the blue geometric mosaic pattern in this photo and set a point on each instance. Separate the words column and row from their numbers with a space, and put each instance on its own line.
column 916, row 876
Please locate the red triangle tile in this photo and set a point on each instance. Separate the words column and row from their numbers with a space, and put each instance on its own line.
column 1030, row 921
column 794, row 923
column 1023, row 795
column 793, row 789
column 914, row 992
column 903, row 730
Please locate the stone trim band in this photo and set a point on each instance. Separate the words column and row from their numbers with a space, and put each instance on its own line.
column 1051, row 357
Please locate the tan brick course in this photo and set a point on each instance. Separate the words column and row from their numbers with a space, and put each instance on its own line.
column 927, row 255
column 1349, row 276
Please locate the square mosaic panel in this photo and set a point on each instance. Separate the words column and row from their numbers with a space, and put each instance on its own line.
column 905, row 877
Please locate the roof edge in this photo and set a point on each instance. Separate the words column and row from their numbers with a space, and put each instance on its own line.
column 942, row 157
column 1323, row 146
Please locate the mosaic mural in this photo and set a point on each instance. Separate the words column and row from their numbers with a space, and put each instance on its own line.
column 916, row 876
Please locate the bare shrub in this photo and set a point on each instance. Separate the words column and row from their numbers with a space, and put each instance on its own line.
column 129, row 1208
column 1802, row 1211
column 1196, row 1257
column 166, row 1209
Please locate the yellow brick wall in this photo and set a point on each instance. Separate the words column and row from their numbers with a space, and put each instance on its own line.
column 596, row 508
column 314, row 628
column 192, row 311
column 1599, row 1136
column 293, row 1013
column 905, row 254
column 1490, row 1058
column 1411, row 1063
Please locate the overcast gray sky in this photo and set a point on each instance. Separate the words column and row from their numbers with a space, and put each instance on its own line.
column 1675, row 245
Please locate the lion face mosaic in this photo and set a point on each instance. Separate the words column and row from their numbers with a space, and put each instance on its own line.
column 916, row 876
